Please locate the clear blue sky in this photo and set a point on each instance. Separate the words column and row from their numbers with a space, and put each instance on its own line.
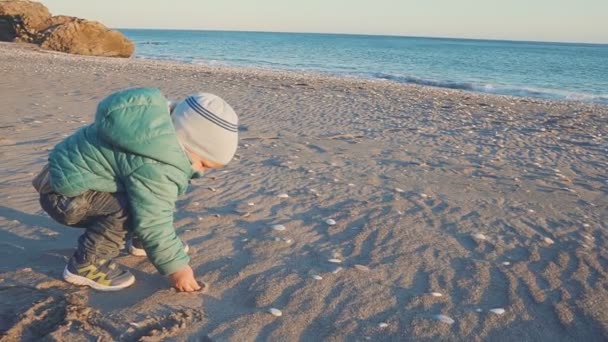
column 545, row 20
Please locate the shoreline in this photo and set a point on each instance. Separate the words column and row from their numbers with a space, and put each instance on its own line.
column 455, row 215
column 270, row 73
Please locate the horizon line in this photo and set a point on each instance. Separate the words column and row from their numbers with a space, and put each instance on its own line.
column 396, row 35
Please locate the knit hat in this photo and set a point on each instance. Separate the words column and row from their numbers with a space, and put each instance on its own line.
column 207, row 126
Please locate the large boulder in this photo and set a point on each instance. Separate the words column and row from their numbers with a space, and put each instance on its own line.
column 22, row 20
column 83, row 37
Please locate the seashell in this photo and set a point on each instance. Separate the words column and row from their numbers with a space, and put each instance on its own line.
column 133, row 324
column 383, row 325
column 424, row 195
column 337, row 270
column 506, row 263
column 282, row 195
column 479, row 237
column 498, row 311
column 436, row 294
column 586, row 225
column 288, row 241
column 399, row 190
column 317, row 277
column 330, row 222
column 351, row 184
column 196, row 204
column 212, row 189
column 335, row 261
column 275, row 312
column 246, row 215
column 548, row 240
column 362, row 268
column 278, row 227
column 444, row 319
column 251, row 204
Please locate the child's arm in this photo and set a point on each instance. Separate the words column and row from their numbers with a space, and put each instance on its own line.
column 152, row 195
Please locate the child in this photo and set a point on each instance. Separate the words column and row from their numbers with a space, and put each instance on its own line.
column 123, row 174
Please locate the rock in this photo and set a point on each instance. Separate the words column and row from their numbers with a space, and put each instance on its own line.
column 83, row 37
column 444, row 319
column 498, row 311
column 275, row 312
column 31, row 22
column 22, row 20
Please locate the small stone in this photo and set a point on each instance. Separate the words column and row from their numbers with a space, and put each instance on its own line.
column 282, row 195
column 212, row 189
column 444, row 319
column 337, row 270
column 27, row 269
column 586, row 225
column 506, row 263
column 133, row 324
column 335, row 261
column 196, row 204
column 351, row 184
column 479, row 310
column 275, row 312
column 362, row 268
column 330, row 222
column 424, row 195
column 278, row 227
column 251, row 204
column 548, row 240
column 317, row 277
column 498, row 311
column 479, row 237
column 383, row 325
column 287, row 241
column 399, row 190
column 531, row 211
column 246, row 215
column 436, row 294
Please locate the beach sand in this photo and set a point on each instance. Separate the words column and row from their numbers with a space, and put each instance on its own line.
column 458, row 216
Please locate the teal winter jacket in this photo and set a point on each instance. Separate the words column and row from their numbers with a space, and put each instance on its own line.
column 131, row 148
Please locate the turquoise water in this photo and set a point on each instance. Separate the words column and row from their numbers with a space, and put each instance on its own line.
column 546, row 70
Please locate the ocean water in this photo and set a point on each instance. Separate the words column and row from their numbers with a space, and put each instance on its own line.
column 533, row 69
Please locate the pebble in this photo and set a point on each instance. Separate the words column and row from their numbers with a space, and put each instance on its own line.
column 330, row 222
column 317, row 277
column 444, row 319
column 335, row 261
column 506, row 263
column 424, row 195
column 282, row 195
column 251, row 204
column 383, row 325
column 275, row 312
column 337, row 270
column 436, row 294
column 212, row 189
column 586, row 225
column 478, row 310
column 479, row 236
column 498, row 311
column 351, row 184
column 278, row 227
column 399, row 190
column 362, row 268
column 549, row 241
column 196, row 204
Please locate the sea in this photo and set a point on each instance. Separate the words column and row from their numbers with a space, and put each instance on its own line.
column 568, row 71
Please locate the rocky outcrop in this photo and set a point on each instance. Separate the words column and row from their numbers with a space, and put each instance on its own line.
column 24, row 19
column 29, row 21
column 83, row 37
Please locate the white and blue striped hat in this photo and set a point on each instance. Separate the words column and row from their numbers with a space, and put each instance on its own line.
column 207, row 126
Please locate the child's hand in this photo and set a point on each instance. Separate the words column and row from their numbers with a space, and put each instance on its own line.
column 183, row 280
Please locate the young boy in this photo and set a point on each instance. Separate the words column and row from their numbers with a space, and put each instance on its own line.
column 123, row 174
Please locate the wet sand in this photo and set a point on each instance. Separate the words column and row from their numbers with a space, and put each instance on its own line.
column 445, row 205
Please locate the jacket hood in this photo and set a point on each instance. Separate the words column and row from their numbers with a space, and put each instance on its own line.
column 138, row 121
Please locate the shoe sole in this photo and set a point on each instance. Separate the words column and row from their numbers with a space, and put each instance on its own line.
column 140, row 252
column 83, row 281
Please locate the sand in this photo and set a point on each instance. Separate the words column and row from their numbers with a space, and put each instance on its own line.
column 445, row 205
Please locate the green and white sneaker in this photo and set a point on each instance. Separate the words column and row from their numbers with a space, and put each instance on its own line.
column 102, row 275
column 136, row 248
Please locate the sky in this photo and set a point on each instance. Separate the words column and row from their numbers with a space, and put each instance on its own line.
column 537, row 20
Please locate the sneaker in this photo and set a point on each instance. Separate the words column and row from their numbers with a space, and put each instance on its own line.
column 136, row 248
column 102, row 275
